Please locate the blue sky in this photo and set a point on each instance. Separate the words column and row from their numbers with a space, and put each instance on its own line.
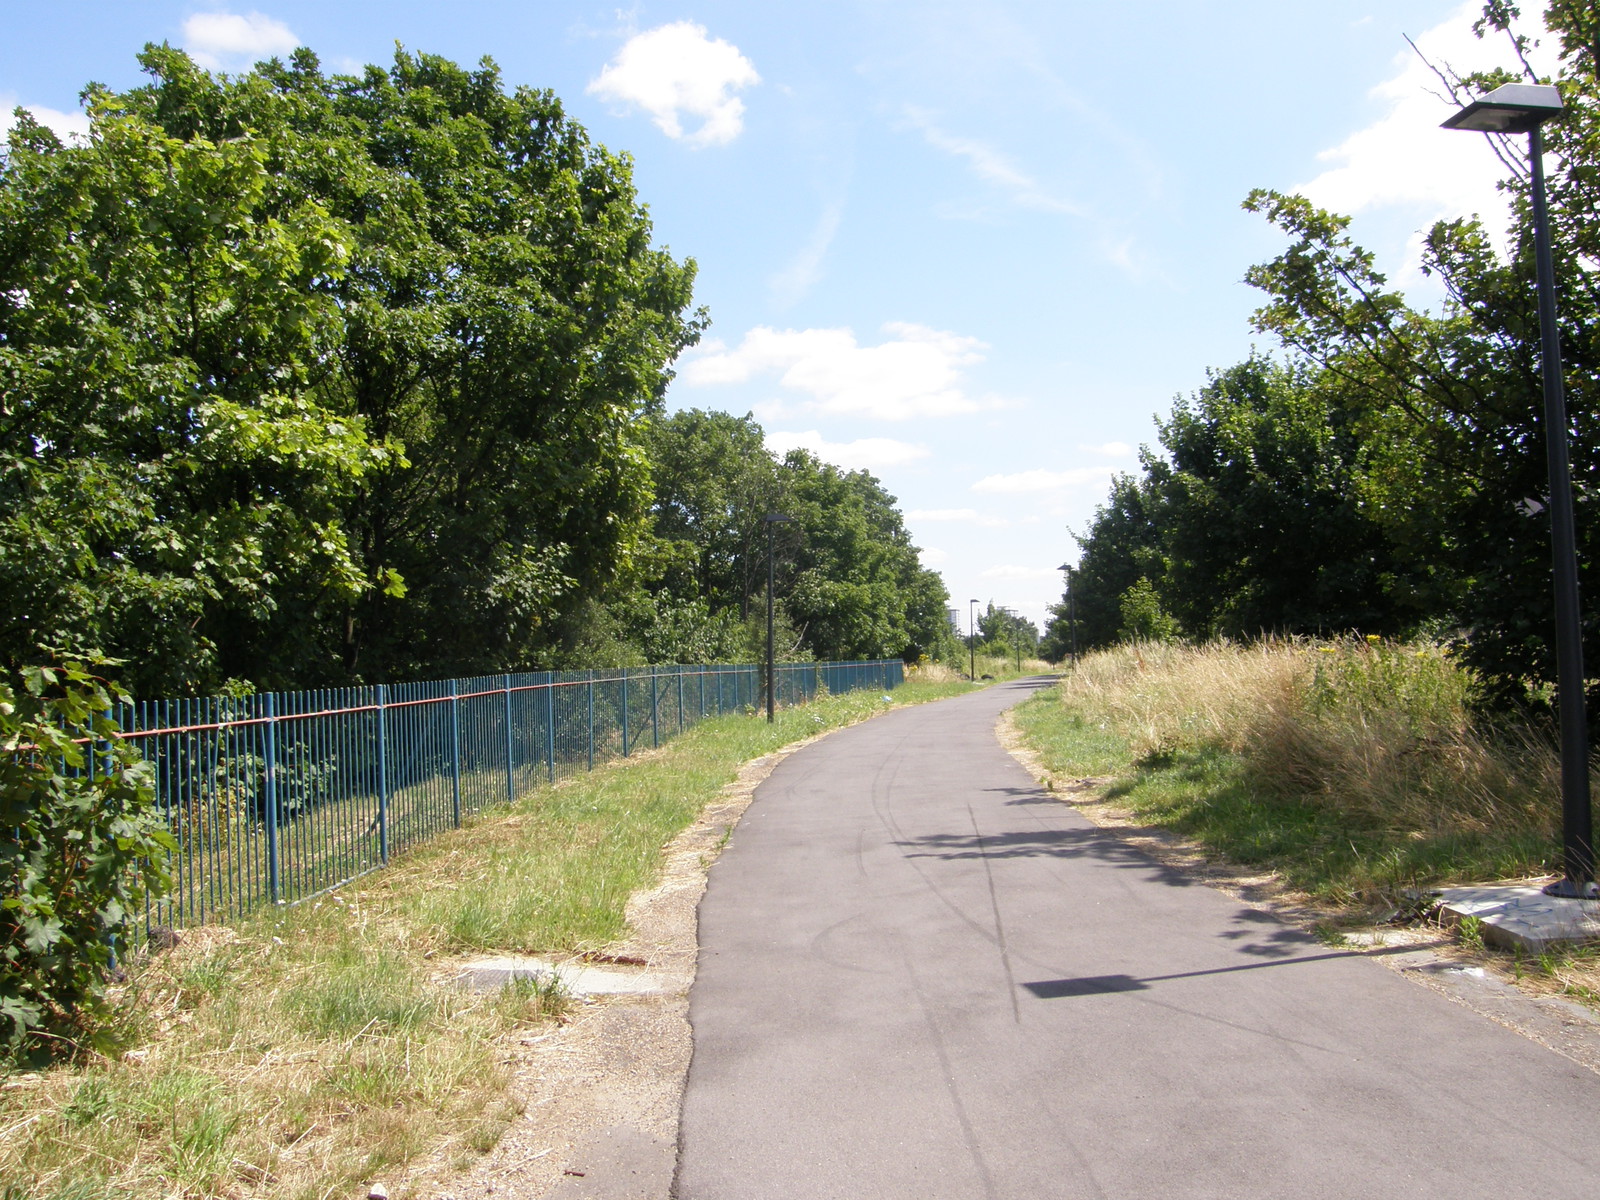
column 972, row 247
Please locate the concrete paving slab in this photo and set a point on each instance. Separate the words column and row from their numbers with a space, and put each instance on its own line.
column 922, row 977
column 579, row 979
column 618, row 1162
column 1523, row 917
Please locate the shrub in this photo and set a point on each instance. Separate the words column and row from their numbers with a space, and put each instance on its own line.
column 85, row 848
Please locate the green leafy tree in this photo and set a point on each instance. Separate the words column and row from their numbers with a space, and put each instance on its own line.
column 85, row 849
column 1000, row 631
column 506, row 318
column 1120, row 547
column 320, row 378
column 714, row 482
column 852, row 580
column 1449, row 403
column 1143, row 617
column 1262, row 529
column 166, row 474
column 849, row 583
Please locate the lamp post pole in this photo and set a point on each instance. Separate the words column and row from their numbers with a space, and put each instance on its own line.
column 1523, row 108
column 1014, row 629
column 770, row 520
column 1072, row 611
column 972, row 641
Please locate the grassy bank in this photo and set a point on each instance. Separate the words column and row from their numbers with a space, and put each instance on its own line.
column 308, row 1052
column 1352, row 770
column 988, row 666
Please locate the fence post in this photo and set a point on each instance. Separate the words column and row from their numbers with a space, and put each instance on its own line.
column 269, row 751
column 655, row 710
column 383, row 776
column 624, row 712
column 550, row 722
column 455, row 751
column 511, row 787
column 680, row 698
column 591, row 718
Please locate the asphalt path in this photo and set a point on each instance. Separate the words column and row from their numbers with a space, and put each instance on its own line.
column 921, row 977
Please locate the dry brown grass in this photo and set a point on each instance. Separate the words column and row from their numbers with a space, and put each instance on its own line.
column 1376, row 730
column 934, row 672
column 1353, row 772
column 291, row 1059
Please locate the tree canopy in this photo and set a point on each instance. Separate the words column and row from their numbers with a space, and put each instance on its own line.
column 322, row 377
column 1391, row 470
column 848, row 581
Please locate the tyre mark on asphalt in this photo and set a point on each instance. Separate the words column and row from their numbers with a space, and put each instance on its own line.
column 999, row 922
column 881, row 793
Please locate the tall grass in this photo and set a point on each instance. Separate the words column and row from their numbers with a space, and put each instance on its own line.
column 1355, row 768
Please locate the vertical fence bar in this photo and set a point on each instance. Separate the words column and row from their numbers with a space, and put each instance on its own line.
column 511, row 786
column 270, row 755
column 550, row 722
column 383, row 777
column 591, row 720
column 455, row 751
column 680, row 699
column 624, row 712
column 655, row 709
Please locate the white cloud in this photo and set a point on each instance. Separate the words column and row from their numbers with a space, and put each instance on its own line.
column 989, row 165
column 803, row 273
column 1042, row 481
column 863, row 454
column 69, row 127
column 1014, row 572
column 1110, row 449
column 916, row 373
column 932, row 557
column 1404, row 158
column 223, row 41
column 675, row 71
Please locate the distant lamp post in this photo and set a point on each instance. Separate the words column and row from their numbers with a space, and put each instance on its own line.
column 769, row 521
column 1072, row 612
column 972, row 640
column 1524, row 108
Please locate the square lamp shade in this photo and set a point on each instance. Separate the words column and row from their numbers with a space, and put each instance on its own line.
column 1510, row 108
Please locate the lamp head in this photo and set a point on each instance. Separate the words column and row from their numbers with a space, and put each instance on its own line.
column 1510, row 108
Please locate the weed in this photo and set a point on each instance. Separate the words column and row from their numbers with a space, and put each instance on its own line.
column 528, row 999
column 354, row 994
column 1470, row 931
column 1329, row 934
column 93, row 1101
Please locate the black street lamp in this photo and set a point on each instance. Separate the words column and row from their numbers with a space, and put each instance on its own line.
column 1072, row 612
column 972, row 641
column 769, row 521
column 1523, row 108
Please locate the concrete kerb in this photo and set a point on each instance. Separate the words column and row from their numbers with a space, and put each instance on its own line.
column 1521, row 916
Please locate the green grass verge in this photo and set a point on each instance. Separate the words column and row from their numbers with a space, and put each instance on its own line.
column 1212, row 797
column 307, row 1052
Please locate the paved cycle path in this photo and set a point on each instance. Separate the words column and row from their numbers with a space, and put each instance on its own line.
column 922, row 977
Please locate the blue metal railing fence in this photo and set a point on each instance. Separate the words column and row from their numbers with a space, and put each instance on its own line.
column 277, row 797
